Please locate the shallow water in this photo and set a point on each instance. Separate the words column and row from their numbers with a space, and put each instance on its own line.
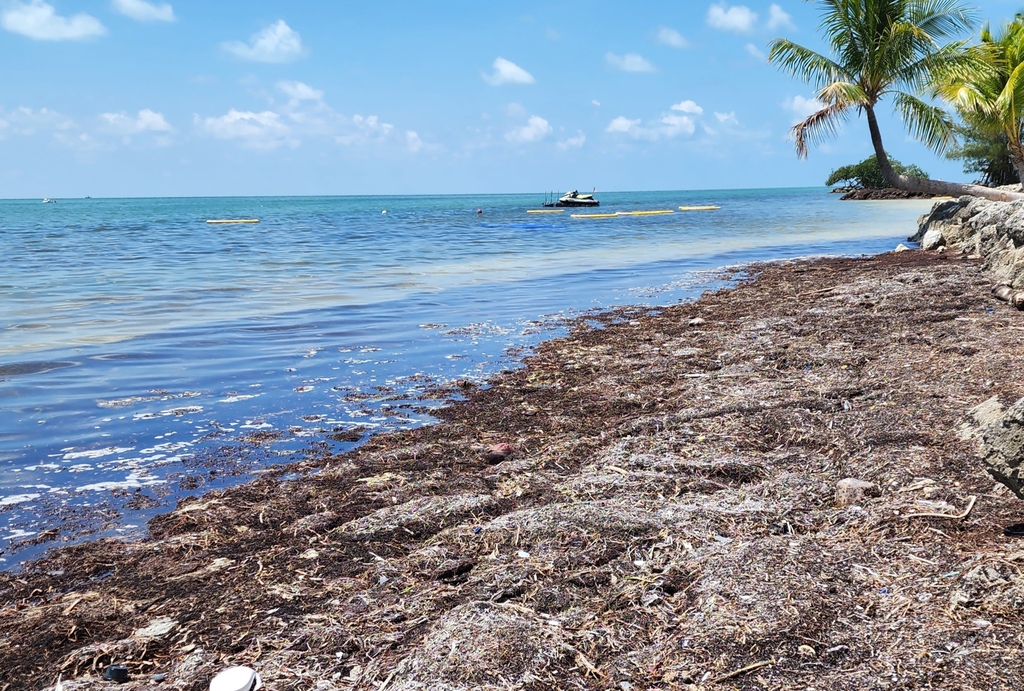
column 137, row 342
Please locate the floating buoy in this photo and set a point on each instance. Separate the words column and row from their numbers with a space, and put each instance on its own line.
column 479, row 211
column 699, row 208
column 231, row 221
column 384, row 211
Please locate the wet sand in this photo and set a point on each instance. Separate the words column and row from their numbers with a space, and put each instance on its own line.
column 667, row 519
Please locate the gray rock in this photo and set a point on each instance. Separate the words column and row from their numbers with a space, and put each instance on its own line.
column 1002, row 448
column 932, row 239
column 901, row 248
column 852, row 491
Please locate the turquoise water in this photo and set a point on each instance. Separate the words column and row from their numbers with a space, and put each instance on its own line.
column 137, row 342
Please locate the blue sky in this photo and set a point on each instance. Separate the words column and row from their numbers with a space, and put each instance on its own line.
column 137, row 98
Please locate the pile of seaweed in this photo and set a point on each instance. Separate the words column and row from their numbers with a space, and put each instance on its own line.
column 649, row 503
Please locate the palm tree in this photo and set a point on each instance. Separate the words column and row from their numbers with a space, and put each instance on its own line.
column 991, row 99
column 885, row 48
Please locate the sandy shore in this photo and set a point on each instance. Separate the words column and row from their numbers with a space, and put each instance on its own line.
column 668, row 519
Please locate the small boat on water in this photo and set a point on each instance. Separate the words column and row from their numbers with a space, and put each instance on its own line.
column 49, row 201
column 575, row 199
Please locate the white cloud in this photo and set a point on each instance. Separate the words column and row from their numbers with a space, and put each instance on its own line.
column 802, row 107
column 535, row 129
column 779, row 19
column 727, row 118
column 596, row 102
column 737, row 18
column 144, row 11
column 412, row 139
column 755, row 51
column 688, row 107
column 298, row 92
column 573, row 142
column 27, row 122
column 361, row 130
column 39, row 20
column 276, row 43
column 673, row 125
column 668, row 36
column 507, row 72
column 146, row 121
column 514, row 110
column 623, row 125
column 630, row 62
column 256, row 130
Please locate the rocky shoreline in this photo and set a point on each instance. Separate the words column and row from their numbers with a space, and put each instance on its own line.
column 768, row 488
column 882, row 194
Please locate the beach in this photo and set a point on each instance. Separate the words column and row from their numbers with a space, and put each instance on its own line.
column 649, row 502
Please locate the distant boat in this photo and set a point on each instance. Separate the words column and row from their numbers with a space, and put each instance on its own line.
column 49, row 201
column 574, row 198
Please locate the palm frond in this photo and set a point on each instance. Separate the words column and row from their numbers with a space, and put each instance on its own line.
column 804, row 63
column 941, row 18
column 818, row 126
column 930, row 124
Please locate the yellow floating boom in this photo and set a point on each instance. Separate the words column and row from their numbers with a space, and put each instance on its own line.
column 231, row 221
column 655, row 212
column 593, row 215
column 545, row 211
column 699, row 208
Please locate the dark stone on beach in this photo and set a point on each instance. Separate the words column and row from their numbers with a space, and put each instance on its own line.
column 497, row 453
column 886, row 193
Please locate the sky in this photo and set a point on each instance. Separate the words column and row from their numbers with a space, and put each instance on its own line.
column 127, row 98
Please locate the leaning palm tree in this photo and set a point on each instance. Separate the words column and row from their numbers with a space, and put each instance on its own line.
column 990, row 99
column 885, row 48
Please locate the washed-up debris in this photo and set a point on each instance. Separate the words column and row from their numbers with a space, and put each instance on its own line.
column 668, row 518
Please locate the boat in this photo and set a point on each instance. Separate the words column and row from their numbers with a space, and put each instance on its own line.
column 49, row 201
column 575, row 199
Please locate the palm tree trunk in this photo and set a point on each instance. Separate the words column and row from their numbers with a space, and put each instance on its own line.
column 1016, row 151
column 927, row 186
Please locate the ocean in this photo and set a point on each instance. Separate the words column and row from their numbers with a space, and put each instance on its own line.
column 146, row 355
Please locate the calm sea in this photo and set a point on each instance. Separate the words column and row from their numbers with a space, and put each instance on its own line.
column 146, row 355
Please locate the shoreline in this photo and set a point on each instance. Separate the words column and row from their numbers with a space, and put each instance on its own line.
column 672, row 490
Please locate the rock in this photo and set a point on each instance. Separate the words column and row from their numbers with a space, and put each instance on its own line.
column 979, row 417
column 852, row 491
column 885, row 193
column 158, row 628
column 1002, row 448
column 696, row 321
column 901, row 248
column 932, row 239
column 496, row 453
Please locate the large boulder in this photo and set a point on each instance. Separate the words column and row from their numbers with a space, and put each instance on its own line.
column 1002, row 447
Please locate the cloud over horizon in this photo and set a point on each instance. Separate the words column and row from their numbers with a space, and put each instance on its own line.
column 143, row 11
column 778, row 18
column 39, row 20
column 737, row 18
column 630, row 62
column 277, row 43
column 667, row 36
column 507, row 72
column 535, row 129
column 146, row 121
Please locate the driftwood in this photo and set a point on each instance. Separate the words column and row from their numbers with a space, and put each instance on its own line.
column 1008, row 294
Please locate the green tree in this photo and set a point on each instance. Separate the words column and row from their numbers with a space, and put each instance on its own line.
column 868, row 174
column 985, row 153
column 885, row 48
column 990, row 97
